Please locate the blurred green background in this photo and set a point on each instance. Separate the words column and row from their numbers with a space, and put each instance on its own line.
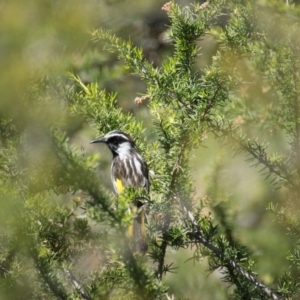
column 51, row 38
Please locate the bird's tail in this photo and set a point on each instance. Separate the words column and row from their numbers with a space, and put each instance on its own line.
column 137, row 231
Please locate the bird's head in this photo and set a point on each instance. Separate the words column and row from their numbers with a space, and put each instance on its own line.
column 118, row 142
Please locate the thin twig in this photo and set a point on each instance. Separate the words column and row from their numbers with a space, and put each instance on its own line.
column 211, row 102
column 160, row 268
column 51, row 281
column 278, row 169
column 77, row 285
column 175, row 173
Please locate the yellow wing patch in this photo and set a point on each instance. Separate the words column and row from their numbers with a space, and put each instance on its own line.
column 120, row 186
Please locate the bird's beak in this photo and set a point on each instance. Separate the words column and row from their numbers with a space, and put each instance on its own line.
column 99, row 140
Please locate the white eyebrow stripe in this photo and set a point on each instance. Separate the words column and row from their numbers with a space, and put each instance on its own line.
column 117, row 135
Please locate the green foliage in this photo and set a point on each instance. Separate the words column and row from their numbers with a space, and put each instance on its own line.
column 63, row 234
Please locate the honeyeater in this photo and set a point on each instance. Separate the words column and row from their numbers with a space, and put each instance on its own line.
column 128, row 168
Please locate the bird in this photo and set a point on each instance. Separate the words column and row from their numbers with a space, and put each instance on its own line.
column 128, row 168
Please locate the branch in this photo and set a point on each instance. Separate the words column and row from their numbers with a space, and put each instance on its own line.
column 3, row 269
column 45, row 271
column 77, row 285
column 211, row 102
column 172, row 187
column 160, row 268
column 196, row 234
column 277, row 169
